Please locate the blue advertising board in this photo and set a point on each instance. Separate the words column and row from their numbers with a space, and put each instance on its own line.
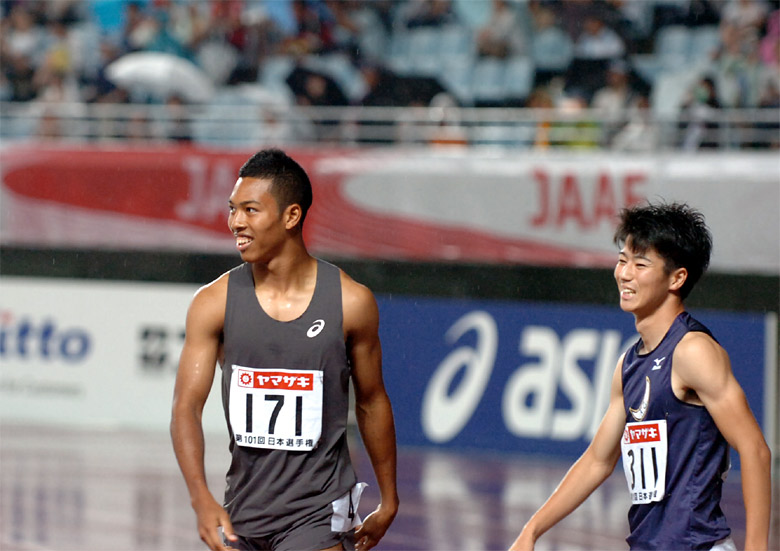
column 525, row 377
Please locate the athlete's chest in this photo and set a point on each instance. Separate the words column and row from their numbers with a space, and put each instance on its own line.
column 284, row 306
column 647, row 386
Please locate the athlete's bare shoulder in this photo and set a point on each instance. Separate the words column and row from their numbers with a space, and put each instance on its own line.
column 352, row 290
column 208, row 303
column 696, row 346
column 214, row 289
column 700, row 362
column 358, row 303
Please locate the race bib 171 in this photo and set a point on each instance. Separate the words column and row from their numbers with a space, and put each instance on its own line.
column 644, row 448
column 277, row 409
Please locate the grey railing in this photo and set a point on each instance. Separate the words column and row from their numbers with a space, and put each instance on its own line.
column 257, row 125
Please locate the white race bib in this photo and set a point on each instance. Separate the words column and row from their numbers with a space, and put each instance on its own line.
column 278, row 409
column 644, row 446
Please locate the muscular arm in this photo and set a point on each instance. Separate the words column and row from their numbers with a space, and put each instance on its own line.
column 193, row 383
column 702, row 367
column 372, row 405
column 592, row 468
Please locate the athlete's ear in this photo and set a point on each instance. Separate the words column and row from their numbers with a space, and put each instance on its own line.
column 292, row 216
column 677, row 278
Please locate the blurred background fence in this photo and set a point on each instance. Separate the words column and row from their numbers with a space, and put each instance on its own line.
column 247, row 126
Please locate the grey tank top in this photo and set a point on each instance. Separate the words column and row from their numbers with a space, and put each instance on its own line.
column 268, row 489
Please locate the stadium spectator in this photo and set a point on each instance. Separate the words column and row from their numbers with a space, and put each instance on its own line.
column 598, row 41
column 640, row 132
column 426, row 13
column 594, row 50
column 97, row 87
column 633, row 18
column 22, row 37
column 176, row 125
column 313, row 33
column 67, row 12
column 571, row 14
column 745, row 14
column 58, row 59
column 347, row 26
column 263, row 38
column 540, row 99
column 227, row 24
column 770, row 44
column 19, row 74
column 138, row 128
column 613, row 101
column 21, row 43
column 503, row 34
column 691, row 13
column 769, row 127
column 740, row 74
column 699, row 117
column 49, row 126
column 138, row 28
column 58, row 105
column 189, row 25
column 314, row 89
column 448, row 130
column 384, row 88
column 57, row 86
column 616, row 97
column 551, row 48
column 575, row 129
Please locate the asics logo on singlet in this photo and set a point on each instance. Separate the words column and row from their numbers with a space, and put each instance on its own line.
column 316, row 328
column 658, row 363
column 639, row 414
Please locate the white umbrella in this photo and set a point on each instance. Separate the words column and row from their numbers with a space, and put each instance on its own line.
column 161, row 74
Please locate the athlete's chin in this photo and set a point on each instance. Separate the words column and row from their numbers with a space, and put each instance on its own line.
column 255, row 257
column 248, row 256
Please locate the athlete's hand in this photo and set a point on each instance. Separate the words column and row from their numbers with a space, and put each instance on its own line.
column 213, row 523
column 373, row 529
column 524, row 542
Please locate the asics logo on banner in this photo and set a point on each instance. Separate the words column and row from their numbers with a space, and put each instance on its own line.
column 316, row 328
column 639, row 414
column 658, row 362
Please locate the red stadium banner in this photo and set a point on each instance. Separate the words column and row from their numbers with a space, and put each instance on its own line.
column 554, row 209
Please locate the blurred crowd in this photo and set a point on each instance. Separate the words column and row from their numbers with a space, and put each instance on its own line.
column 58, row 51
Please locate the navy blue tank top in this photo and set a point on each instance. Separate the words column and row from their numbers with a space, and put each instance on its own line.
column 269, row 366
column 689, row 515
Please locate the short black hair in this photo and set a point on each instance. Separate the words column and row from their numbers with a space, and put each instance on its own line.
column 289, row 182
column 677, row 232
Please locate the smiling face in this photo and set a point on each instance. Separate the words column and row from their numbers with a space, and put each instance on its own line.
column 261, row 230
column 643, row 280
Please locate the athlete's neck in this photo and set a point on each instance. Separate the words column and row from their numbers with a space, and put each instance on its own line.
column 295, row 270
column 653, row 327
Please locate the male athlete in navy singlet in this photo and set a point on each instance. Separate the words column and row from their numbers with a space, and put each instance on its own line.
column 675, row 407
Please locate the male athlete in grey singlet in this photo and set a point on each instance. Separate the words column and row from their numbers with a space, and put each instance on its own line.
column 289, row 331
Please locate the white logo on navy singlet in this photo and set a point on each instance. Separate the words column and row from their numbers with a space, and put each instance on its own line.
column 315, row 328
column 658, row 362
column 639, row 414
